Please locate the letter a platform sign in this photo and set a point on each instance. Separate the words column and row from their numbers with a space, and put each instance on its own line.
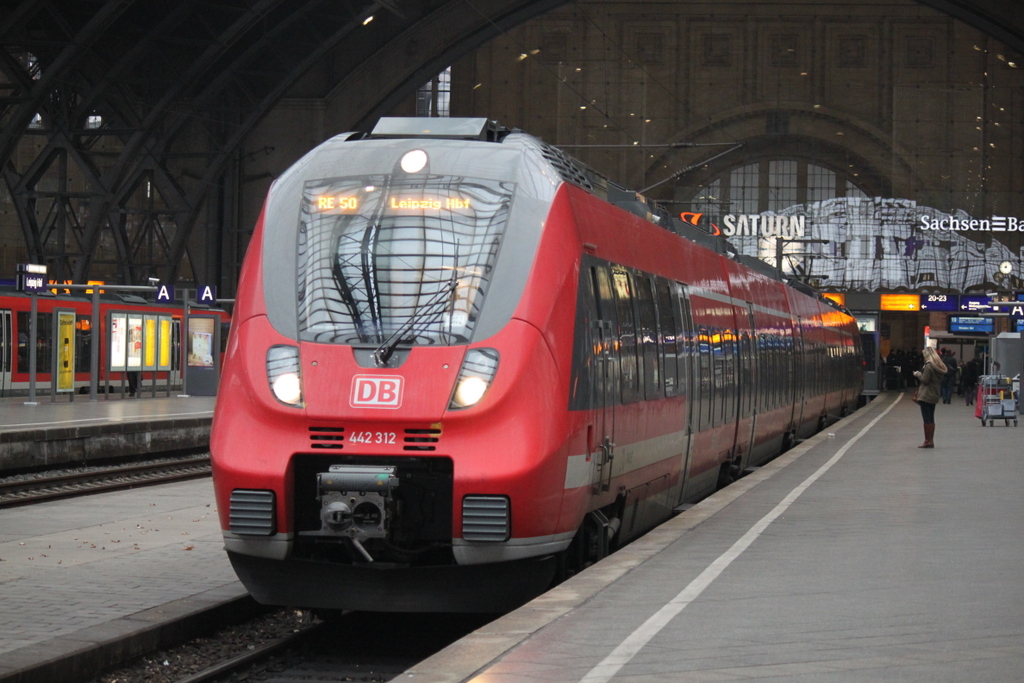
column 165, row 294
column 206, row 294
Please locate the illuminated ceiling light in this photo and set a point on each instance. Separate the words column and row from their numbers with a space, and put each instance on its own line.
column 367, row 20
column 1012, row 65
column 803, row 73
column 579, row 68
column 583, row 106
column 534, row 52
column 414, row 161
column 647, row 120
column 523, row 56
column 477, row 86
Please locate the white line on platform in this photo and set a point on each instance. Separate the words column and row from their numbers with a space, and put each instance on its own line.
column 628, row 649
column 120, row 418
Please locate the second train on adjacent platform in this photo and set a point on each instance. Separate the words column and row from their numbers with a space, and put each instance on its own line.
column 462, row 364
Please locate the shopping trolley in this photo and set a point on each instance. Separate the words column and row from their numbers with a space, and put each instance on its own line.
column 995, row 400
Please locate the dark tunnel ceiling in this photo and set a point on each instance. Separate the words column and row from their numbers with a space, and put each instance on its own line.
column 156, row 70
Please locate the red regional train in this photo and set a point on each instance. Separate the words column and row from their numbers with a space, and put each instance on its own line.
column 460, row 369
column 16, row 307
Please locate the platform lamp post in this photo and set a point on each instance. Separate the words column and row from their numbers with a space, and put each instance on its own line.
column 31, row 278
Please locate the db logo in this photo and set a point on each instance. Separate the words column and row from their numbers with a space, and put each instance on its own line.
column 376, row 391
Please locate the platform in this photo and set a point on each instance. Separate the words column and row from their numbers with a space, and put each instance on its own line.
column 95, row 580
column 855, row 556
column 83, row 431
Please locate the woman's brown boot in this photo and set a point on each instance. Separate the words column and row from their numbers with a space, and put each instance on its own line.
column 929, row 436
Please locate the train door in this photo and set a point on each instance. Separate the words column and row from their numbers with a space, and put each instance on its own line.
column 687, row 345
column 748, row 384
column 798, row 371
column 6, row 346
column 606, row 391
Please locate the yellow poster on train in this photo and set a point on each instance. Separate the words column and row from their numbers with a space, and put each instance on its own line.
column 150, row 340
column 65, row 351
column 165, row 343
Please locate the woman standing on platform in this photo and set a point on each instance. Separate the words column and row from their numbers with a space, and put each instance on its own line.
column 929, row 392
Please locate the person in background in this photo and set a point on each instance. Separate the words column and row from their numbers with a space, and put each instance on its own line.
column 949, row 380
column 969, row 378
column 928, row 393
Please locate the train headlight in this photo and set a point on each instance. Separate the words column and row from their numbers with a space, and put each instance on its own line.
column 475, row 375
column 284, row 375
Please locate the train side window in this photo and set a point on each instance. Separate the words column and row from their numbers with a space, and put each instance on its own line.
column 726, row 409
column 5, row 341
column 605, row 301
column 44, row 333
column 176, row 344
column 83, row 338
column 773, row 371
column 746, row 384
column 668, row 330
column 713, row 353
column 704, row 362
column 648, row 338
column 628, row 362
column 721, row 350
column 686, row 346
column 585, row 354
column 730, row 344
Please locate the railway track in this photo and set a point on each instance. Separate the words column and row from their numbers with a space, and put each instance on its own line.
column 291, row 646
column 30, row 489
column 354, row 646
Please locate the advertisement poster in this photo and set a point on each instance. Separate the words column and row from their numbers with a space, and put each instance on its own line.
column 165, row 343
column 65, row 351
column 150, row 340
column 200, row 342
column 118, row 341
column 134, row 343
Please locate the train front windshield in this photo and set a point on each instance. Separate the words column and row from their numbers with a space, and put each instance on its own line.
column 406, row 258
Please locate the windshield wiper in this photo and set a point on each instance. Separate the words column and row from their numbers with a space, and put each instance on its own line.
column 434, row 306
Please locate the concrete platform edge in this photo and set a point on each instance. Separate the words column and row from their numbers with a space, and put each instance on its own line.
column 82, row 445
column 473, row 654
column 81, row 656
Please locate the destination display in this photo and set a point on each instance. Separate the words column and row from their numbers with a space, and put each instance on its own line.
column 351, row 204
column 961, row 323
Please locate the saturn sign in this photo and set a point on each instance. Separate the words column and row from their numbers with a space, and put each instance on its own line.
column 756, row 225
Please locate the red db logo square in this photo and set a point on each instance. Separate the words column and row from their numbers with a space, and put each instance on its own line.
column 376, row 391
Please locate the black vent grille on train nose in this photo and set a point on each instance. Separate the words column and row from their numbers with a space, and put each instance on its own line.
column 252, row 512
column 421, row 439
column 327, row 438
column 486, row 519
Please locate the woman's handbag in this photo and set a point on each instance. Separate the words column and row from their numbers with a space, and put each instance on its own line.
column 914, row 397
